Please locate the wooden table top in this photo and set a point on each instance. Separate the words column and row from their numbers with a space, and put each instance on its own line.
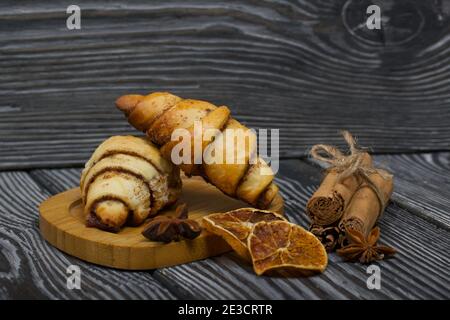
column 305, row 67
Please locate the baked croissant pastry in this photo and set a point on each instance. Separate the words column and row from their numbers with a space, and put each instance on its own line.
column 159, row 114
column 125, row 181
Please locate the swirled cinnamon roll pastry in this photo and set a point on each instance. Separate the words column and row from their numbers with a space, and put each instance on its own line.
column 125, row 181
column 159, row 114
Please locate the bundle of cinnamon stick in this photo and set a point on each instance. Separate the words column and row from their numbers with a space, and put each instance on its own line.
column 350, row 199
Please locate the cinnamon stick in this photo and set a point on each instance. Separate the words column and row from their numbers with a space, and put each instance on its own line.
column 328, row 204
column 349, row 202
column 365, row 207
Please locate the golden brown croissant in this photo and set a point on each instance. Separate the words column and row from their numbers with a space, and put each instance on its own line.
column 125, row 181
column 159, row 114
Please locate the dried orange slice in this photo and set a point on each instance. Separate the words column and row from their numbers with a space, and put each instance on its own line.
column 280, row 244
column 235, row 226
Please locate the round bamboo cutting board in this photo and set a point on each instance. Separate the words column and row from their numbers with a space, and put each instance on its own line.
column 62, row 225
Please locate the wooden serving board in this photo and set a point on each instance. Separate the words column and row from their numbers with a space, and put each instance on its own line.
column 62, row 225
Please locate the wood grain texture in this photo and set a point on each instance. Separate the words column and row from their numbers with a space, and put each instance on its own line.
column 310, row 68
column 32, row 269
column 417, row 272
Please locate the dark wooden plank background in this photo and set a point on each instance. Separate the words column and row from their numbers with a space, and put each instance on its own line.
column 310, row 68
column 304, row 66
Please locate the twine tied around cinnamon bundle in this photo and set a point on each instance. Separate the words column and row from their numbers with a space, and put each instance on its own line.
column 350, row 164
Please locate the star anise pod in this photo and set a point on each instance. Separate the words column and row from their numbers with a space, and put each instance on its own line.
column 362, row 249
column 166, row 229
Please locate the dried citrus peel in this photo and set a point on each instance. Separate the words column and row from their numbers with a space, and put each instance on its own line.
column 280, row 244
column 235, row 226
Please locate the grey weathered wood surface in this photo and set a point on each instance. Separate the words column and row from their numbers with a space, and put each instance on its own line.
column 419, row 271
column 309, row 67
